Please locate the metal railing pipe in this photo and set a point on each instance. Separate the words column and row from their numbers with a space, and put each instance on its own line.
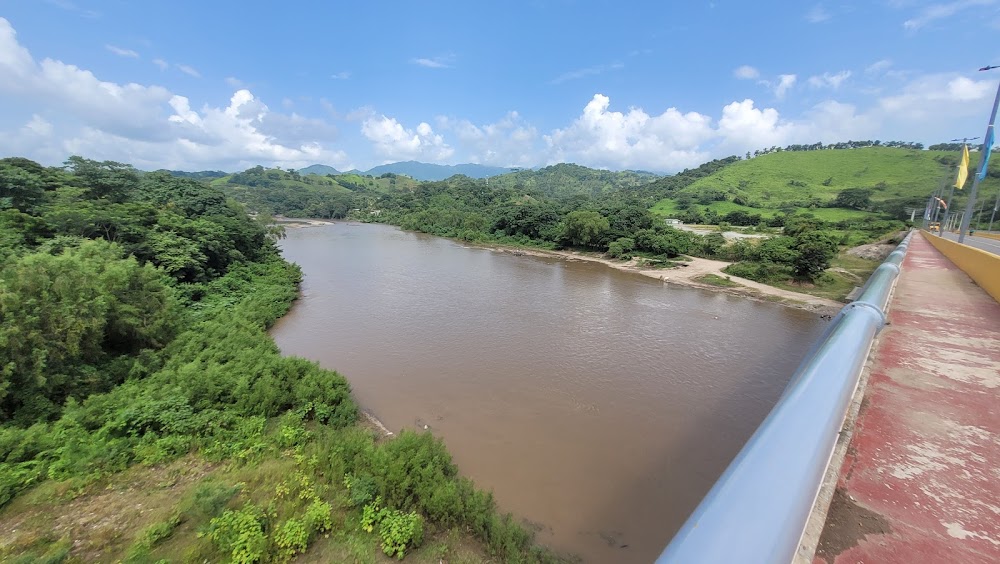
column 758, row 509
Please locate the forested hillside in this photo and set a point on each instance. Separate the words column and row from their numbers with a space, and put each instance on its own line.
column 291, row 194
column 134, row 358
column 563, row 180
column 814, row 201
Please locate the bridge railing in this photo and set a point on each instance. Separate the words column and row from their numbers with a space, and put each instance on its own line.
column 758, row 509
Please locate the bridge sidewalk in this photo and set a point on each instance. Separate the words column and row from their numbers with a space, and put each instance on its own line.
column 921, row 479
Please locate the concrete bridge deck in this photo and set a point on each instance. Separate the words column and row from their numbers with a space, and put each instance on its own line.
column 921, row 478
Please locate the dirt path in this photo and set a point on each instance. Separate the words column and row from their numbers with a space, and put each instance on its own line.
column 689, row 274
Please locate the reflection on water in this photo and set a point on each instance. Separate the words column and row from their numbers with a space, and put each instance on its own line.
column 598, row 405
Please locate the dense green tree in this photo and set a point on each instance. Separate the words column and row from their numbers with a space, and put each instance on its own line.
column 621, row 248
column 625, row 218
column 814, row 251
column 107, row 179
column 65, row 318
column 585, row 228
column 529, row 218
column 19, row 189
column 854, row 198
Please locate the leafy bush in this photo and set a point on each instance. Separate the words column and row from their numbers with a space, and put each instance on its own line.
column 399, row 531
column 291, row 538
column 240, row 533
column 318, row 518
column 621, row 247
column 766, row 272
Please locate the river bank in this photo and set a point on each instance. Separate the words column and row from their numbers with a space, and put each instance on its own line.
column 536, row 373
column 689, row 273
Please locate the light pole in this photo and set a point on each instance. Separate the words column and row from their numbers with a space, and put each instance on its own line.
column 987, row 145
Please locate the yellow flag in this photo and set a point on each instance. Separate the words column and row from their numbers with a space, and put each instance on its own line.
column 963, row 168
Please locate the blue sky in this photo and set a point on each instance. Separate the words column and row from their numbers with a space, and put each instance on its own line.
column 645, row 85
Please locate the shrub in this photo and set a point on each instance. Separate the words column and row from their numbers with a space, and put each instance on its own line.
column 765, row 272
column 291, row 538
column 400, row 530
column 318, row 517
column 621, row 247
column 240, row 533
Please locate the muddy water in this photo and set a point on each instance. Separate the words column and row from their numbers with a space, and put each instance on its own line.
column 597, row 405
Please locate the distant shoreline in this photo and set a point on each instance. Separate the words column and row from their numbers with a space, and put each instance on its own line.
column 681, row 275
column 687, row 276
column 297, row 223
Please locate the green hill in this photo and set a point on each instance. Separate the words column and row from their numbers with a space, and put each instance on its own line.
column 292, row 194
column 563, row 180
column 319, row 169
column 878, row 180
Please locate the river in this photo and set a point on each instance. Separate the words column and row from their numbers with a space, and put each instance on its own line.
column 598, row 405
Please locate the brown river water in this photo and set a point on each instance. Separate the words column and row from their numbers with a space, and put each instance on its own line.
column 598, row 405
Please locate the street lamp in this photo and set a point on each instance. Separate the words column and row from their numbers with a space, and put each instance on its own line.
column 987, row 145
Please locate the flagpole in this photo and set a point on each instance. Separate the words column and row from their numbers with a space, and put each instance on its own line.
column 987, row 140
column 994, row 214
column 963, row 165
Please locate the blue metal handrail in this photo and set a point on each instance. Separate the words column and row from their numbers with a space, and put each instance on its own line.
column 758, row 509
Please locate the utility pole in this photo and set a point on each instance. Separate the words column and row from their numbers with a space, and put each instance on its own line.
column 987, row 145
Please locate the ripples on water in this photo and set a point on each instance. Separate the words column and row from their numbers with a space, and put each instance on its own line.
column 597, row 404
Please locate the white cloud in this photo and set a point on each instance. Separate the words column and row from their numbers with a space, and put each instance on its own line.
column 39, row 126
column 936, row 12
column 162, row 64
column 440, row 62
column 122, row 52
column 342, row 75
column 827, row 80
column 633, row 139
column 508, row 142
column 589, row 71
column 396, row 143
column 188, row 70
column 817, row 14
column 924, row 96
column 234, row 82
column 878, row 67
column 148, row 126
column 746, row 72
column 785, row 83
column 744, row 125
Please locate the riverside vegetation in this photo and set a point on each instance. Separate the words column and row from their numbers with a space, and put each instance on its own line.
column 809, row 204
column 146, row 415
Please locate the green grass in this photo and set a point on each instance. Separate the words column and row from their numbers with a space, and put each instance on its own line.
column 769, row 177
column 716, row 280
column 797, row 178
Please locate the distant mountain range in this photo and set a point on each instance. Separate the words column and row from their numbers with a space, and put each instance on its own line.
column 417, row 170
